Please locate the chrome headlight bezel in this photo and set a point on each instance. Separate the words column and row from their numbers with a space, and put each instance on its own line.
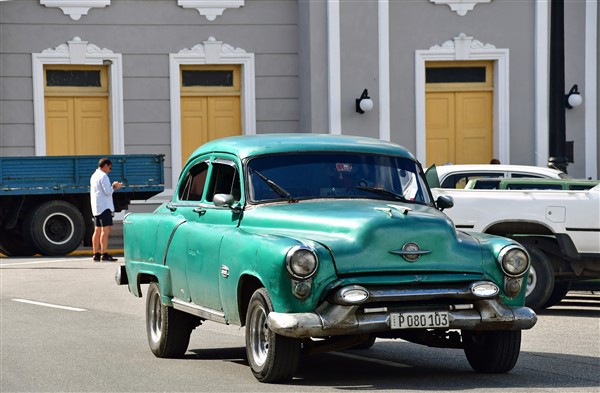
column 506, row 259
column 298, row 256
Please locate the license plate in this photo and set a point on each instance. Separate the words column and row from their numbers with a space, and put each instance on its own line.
column 416, row 320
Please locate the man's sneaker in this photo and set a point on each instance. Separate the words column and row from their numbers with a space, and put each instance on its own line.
column 109, row 258
column 96, row 257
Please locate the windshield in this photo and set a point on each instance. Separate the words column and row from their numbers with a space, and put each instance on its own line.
column 300, row 176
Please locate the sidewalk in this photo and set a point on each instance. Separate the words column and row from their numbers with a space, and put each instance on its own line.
column 115, row 242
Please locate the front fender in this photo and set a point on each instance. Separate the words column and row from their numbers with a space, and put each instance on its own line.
column 244, row 254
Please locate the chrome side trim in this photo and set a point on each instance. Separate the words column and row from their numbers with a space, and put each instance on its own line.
column 199, row 311
column 170, row 240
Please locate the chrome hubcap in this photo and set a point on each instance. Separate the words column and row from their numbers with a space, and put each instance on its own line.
column 259, row 336
column 155, row 318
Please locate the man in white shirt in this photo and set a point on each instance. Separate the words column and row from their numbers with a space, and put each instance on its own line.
column 101, row 191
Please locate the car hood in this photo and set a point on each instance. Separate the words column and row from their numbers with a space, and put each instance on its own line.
column 367, row 236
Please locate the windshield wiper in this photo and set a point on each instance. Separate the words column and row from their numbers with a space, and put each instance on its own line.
column 383, row 191
column 276, row 187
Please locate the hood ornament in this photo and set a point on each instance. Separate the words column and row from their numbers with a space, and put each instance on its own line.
column 410, row 251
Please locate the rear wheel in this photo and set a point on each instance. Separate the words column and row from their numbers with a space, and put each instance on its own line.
column 54, row 227
column 492, row 351
column 540, row 281
column 13, row 245
column 272, row 358
column 168, row 329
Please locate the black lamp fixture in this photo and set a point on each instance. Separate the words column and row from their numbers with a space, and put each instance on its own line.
column 573, row 98
column 364, row 103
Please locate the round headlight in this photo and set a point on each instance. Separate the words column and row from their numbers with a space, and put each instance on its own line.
column 514, row 261
column 301, row 261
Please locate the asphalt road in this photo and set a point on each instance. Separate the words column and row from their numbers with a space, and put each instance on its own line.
column 65, row 326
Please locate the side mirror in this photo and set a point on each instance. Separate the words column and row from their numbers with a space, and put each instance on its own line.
column 223, row 200
column 444, row 202
column 226, row 200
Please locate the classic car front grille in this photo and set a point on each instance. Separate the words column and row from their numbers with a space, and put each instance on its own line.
column 414, row 295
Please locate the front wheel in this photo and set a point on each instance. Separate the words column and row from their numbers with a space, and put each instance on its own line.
column 272, row 358
column 168, row 329
column 560, row 290
column 540, row 280
column 492, row 351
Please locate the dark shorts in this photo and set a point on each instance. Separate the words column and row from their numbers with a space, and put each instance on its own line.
column 105, row 219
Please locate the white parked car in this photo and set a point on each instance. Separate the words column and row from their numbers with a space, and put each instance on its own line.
column 457, row 176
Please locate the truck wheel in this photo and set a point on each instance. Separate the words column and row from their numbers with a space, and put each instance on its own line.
column 272, row 358
column 54, row 227
column 492, row 351
column 540, row 280
column 561, row 288
column 168, row 329
column 13, row 245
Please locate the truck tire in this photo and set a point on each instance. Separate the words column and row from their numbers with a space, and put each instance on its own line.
column 54, row 228
column 273, row 358
column 492, row 351
column 168, row 330
column 540, row 281
column 561, row 288
column 13, row 245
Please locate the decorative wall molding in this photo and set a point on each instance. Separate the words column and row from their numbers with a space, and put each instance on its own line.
column 211, row 8
column 210, row 51
column 75, row 8
column 461, row 7
column 462, row 47
column 77, row 51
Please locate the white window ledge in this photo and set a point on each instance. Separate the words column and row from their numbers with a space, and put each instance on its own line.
column 211, row 8
column 75, row 8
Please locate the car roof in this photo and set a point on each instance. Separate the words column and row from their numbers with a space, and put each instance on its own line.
column 444, row 170
column 253, row 145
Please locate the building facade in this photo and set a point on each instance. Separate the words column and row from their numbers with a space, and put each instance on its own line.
column 458, row 81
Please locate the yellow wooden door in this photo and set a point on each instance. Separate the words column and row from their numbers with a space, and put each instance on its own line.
column 459, row 112
column 206, row 118
column 60, row 126
column 210, row 104
column 76, row 110
column 441, row 126
column 474, row 144
column 194, row 124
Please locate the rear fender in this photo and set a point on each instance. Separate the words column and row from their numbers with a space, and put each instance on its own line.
column 147, row 235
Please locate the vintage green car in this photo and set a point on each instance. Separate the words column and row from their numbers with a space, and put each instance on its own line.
column 316, row 243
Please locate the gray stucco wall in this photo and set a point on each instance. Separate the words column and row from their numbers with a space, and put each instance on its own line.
column 289, row 40
column 145, row 32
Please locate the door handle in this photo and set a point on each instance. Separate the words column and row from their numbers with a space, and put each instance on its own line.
column 201, row 211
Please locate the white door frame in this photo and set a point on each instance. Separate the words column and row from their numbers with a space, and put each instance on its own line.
column 80, row 52
column 466, row 48
column 209, row 52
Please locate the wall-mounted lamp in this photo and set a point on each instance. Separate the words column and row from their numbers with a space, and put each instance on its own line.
column 364, row 103
column 573, row 99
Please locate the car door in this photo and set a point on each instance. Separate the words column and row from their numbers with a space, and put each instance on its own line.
column 205, row 225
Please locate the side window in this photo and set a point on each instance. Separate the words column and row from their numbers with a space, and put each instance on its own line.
column 192, row 187
column 460, row 180
column 526, row 175
column 224, row 180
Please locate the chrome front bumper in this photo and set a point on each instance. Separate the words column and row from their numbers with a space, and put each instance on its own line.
column 336, row 319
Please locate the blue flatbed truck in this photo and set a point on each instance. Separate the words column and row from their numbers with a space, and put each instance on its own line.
column 45, row 201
